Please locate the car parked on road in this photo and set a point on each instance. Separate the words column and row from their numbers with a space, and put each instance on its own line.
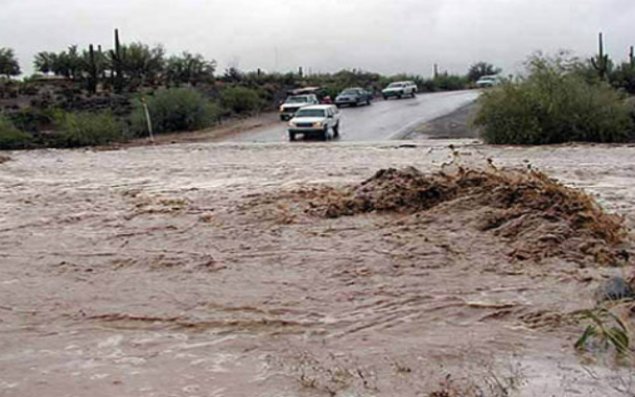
column 294, row 103
column 400, row 89
column 353, row 97
column 488, row 81
column 320, row 121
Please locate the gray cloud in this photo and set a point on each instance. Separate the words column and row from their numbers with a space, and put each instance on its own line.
column 327, row 35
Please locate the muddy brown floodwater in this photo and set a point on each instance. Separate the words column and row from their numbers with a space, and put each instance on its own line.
column 207, row 270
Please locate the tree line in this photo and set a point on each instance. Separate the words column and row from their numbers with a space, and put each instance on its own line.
column 126, row 66
column 129, row 66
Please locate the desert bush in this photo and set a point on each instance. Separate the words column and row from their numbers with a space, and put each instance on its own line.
column 241, row 100
column 553, row 105
column 32, row 119
column 623, row 77
column 450, row 82
column 481, row 69
column 11, row 138
column 86, row 129
column 175, row 110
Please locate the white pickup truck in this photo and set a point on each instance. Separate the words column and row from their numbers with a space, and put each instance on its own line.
column 320, row 121
column 294, row 103
column 400, row 89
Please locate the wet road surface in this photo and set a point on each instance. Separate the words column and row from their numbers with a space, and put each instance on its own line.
column 383, row 120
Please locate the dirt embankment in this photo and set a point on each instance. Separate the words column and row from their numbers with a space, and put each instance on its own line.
column 455, row 125
column 216, row 133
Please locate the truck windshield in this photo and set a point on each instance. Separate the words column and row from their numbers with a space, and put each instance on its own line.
column 297, row 99
column 349, row 92
column 396, row 85
column 310, row 113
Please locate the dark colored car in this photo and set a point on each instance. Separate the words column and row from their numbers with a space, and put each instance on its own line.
column 353, row 97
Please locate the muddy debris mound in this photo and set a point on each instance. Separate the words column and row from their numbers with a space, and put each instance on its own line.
column 537, row 216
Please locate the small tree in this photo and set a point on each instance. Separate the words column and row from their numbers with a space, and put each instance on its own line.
column 44, row 61
column 143, row 64
column 189, row 69
column 9, row 65
column 481, row 69
column 75, row 62
column 233, row 75
column 69, row 64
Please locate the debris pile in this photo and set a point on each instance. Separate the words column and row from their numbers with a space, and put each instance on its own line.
column 535, row 214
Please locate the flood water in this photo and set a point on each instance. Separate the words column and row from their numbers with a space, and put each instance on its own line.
column 175, row 271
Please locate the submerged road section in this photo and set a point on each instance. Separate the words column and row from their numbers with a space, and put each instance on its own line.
column 383, row 120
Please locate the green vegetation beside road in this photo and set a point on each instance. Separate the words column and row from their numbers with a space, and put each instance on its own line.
column 11, row 138
column 554, row 103
column 86, row 129
column 174, row 110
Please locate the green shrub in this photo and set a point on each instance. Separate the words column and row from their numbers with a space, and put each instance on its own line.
column 175, row 110
column 12, row 138
column 553, row 105
column 623, row 77
column 32, row 119
column 450, row 82
column 241, row 100
column 86, row 129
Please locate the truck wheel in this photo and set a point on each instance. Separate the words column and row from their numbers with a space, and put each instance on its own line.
column 336, row 131
column 291, row 136
column 325, row 134
column 385, row 98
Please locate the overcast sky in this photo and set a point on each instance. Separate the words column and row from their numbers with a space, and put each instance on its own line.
column 327, row 35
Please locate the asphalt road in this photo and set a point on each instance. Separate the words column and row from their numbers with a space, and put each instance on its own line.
column 383, row 120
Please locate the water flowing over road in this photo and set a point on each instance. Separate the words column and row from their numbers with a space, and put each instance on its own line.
column 200, row 270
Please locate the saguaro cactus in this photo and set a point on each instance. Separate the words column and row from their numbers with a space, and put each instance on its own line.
column 117, row 60
column 601, row 61
column 631, row 57
column 101, row 63
column 93, row 73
